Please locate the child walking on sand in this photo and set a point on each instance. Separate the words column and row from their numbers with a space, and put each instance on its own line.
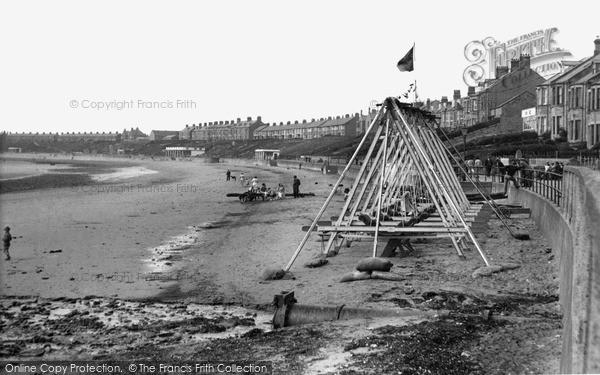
column 6, row 241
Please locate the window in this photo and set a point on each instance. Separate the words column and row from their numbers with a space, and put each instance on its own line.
column 556, row 124
column 594, row 98
column 571, row 132
column 542, row 96
column 576, row 100
column 557, row 95
column 543, row 124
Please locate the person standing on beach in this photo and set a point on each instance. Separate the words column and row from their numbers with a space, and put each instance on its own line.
column 228, row 174
column 296, row 187
column 6, row 242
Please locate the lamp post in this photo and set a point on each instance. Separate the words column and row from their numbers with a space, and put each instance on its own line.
column 464, row 130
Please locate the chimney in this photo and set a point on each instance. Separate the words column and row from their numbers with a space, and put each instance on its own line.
column 289, row 122
column 329, row 118
column 313, row 120
column 524, row 61
column 239, row 119
column 444, row 99
column 514, row 64
column 500, row 71
column 249, row 118
column 471, row 90
column 597, row 46
column 281, row 123
column 304, row 121
column 259, row 119
column 295, row 122
column 456, row 95
column 227, row 122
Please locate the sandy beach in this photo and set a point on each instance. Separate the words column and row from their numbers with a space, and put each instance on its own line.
column 145, row 230
column 136, row 232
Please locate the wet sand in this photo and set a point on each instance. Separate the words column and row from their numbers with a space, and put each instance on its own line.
column 99, row 239
column 137, row 233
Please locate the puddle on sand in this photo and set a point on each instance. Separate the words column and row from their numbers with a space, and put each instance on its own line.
column 162, row 257
column 123, row 173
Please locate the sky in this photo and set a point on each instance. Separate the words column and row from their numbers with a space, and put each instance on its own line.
column 81, row 66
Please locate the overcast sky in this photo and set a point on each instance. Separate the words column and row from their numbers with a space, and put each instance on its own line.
column 281, row 60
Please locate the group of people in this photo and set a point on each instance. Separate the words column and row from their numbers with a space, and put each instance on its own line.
column 253, row 186
column 553, row 170
column 475, row 167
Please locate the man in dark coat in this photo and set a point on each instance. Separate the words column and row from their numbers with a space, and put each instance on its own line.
column 296, row 187
column 488, row 166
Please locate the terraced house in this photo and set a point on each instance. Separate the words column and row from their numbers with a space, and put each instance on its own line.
column 226, row 130
column 571, row 101
column 339, row 126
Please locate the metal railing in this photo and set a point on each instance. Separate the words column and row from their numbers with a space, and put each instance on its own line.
column 546, row 184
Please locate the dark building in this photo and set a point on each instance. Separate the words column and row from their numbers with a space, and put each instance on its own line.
column 571, row 101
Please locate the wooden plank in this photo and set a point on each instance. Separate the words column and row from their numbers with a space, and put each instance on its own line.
column 385, row 229
column 402, row 236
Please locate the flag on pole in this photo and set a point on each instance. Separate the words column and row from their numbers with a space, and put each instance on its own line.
column 406, row 64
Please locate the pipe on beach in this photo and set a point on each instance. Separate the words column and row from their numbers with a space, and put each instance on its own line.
column 288, row 313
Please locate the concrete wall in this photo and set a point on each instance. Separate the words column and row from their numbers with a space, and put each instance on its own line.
column 572, row 230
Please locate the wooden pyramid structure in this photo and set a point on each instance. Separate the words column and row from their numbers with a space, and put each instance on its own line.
column 405, row 188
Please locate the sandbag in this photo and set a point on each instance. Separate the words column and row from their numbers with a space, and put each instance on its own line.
column 489, row 270
column 273, row 274
column 374, row 264
column 207, row 225
column 317, row 262
column 355, row 276
column 366, row 220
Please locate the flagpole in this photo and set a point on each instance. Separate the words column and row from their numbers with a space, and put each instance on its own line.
column 414, row 63
column 415, row 101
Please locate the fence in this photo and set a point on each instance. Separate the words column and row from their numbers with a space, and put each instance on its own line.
column 589, row 162
column 546, row 184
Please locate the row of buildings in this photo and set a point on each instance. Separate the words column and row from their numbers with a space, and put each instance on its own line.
column 520, row 99
column 116, row 137
column 347, row 125
column 63, row 137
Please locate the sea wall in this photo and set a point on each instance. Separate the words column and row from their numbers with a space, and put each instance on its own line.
column 573, row 231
